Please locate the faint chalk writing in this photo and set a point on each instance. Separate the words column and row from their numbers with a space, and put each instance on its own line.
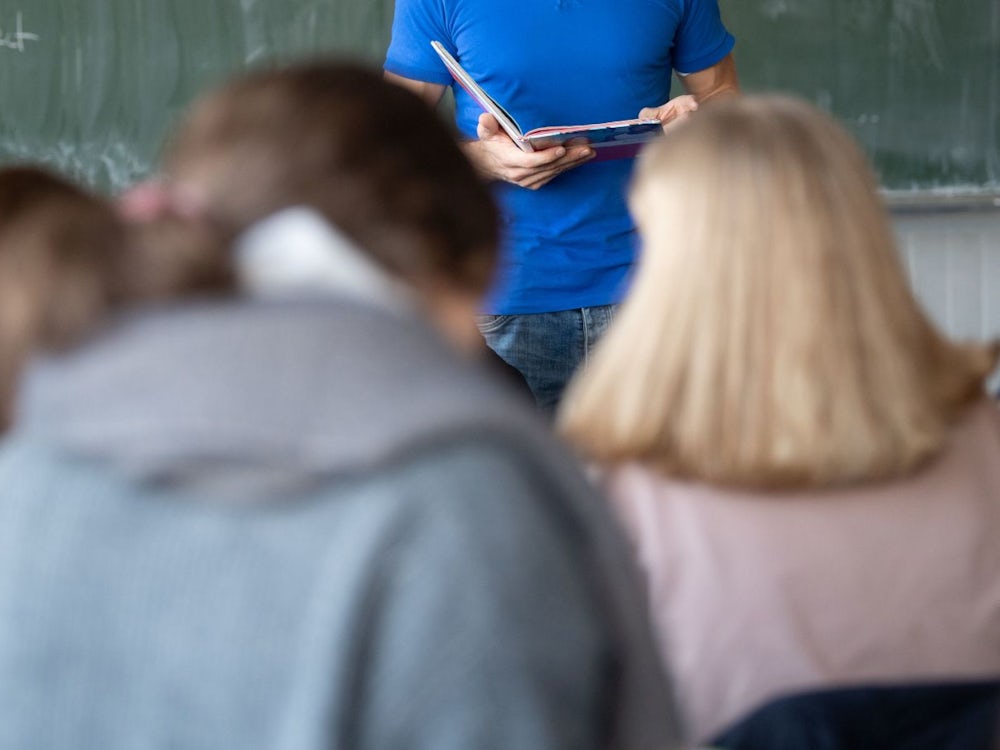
column 775, row 8
column 15, row 39
column 914, row 25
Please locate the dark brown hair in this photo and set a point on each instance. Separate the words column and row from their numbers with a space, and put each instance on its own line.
column 60, row 255
column 371, row 157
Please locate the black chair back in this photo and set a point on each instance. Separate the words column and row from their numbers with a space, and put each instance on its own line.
column 952, row 716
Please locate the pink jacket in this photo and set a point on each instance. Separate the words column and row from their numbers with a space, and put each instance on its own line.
column 756, row 595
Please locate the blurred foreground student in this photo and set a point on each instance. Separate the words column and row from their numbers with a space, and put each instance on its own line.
column 299, row 518
column 57, row 248
column 810, row 472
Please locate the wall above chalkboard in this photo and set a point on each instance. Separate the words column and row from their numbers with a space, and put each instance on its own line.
column 90, row 87
column 917, row 81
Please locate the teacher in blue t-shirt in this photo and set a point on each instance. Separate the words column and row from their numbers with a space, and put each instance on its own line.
column 569, row 242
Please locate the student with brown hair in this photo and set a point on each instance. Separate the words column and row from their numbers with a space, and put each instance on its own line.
column 809, row 470
column 400, row 204
column 68, row 262
column 58, row 248
column 300, row 518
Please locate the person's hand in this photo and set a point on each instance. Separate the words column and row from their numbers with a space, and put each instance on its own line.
column 673, row 112
column 497, row 157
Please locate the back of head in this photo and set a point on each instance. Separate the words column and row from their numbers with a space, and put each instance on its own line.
column 771, row 337
column 60, row 254
column 369, row 156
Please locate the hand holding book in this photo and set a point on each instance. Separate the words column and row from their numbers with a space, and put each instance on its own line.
column 497, row 157
column 609, row 140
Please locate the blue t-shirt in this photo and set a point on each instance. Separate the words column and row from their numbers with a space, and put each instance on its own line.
column 561, row 62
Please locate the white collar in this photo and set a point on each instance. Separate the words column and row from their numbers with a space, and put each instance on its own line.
column 297, row 251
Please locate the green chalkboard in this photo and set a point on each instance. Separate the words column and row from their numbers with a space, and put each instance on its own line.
column 917, row 81
column 91, row 86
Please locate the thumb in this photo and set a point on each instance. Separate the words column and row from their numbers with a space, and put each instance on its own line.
column 488, row 126
column 649, row 113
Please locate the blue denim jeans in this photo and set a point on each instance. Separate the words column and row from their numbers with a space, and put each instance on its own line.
column 547, row 347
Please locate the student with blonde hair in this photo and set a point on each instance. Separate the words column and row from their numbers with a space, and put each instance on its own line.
column 810, row 471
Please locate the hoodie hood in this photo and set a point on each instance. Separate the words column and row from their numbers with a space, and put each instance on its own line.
column 257, row 392
column 253, row 401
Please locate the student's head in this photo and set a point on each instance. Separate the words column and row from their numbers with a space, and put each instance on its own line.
column 60, row 255
column 369, row 156
column 770, row 337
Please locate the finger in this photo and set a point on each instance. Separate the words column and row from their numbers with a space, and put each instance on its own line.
column 681, row 107
column 649, row 113
column 527, row 177
column 534, row 179
column 530, row 161
column 540, row 180
column 544, row 157
column 687, row 108
column 574, row 156
column 538, row 184
column 521, row 173
column 487, row 126
column 679, row 117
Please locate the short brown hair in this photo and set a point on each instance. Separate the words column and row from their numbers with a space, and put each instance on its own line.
column 771, row 338
column 371, row 157
column 60, row 254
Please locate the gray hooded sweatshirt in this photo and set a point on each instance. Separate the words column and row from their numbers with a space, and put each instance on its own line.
column 302, row 525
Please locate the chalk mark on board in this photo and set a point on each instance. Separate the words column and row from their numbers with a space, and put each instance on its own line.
column 15, row 39
column 914, row 24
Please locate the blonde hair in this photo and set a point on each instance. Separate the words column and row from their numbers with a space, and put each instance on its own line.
column 770, row 338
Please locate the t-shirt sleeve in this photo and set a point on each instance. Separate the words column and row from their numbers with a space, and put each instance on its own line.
column 701, row 39
column 415, row 24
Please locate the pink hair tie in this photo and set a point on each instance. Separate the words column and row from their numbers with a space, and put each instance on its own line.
column 155, row 199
